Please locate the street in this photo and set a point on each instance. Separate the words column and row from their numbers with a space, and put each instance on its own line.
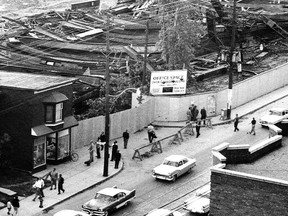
column 151, row 193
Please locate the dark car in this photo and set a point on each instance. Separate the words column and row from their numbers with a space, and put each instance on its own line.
column 108, row 200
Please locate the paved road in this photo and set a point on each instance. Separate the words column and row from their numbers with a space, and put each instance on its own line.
column 153, row 194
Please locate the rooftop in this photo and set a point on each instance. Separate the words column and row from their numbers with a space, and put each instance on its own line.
column 34, row 82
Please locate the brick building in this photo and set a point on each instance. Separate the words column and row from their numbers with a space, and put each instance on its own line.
column 36, row 115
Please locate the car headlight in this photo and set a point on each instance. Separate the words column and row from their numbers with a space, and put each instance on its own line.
column 153, row 171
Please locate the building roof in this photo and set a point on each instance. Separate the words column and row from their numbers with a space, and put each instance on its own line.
column 34, row 82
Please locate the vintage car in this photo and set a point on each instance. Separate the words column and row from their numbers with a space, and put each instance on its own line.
column 70, row 213
column 275, row 116
column 108, row 200
column 164, row 212
column 200, row 202
column 173, row 167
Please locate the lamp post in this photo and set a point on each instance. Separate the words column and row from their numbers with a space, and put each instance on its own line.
column 107, row 118
column 232, row 47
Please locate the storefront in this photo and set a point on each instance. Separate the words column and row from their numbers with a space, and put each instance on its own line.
column 52, row 146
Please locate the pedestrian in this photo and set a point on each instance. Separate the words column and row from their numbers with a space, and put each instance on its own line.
column 114, row 150
column 91, row 150
column 42, row 183
column 189, row 114
column 150, row 130
column 125, row 138
column 9, row 207
column 193, row 107
column 196, row 112
column 54, row 176
column 253, row 123
column 198, row 125
column 236, row 121
column 98, row 148
column 60, row 184
column 15, row 203
column 37, row 187
column 117, row 159
column 102, row 140
column 203, row 115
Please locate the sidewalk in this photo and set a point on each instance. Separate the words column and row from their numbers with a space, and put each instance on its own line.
column 79, row 177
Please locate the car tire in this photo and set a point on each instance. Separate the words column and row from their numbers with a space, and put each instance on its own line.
column 189, row 170
column 174, row 178
column 105, row 213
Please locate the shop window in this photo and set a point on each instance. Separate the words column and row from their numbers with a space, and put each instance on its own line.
column 63, row 144
column 54, row 113
column 51, row 146
column 39, row 152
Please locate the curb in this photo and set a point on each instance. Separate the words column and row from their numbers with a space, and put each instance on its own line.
column 48, row 208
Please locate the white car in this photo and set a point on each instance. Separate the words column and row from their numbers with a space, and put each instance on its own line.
column 164, row 212
column 173, row 167
column 275, row 116
column 199, row 203
column 70, row 213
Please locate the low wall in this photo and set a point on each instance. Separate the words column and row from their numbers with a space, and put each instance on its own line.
column 234, row 154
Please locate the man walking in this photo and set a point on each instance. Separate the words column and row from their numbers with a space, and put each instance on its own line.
column 91, row 150
column 125, row 138
column 54, row 176
column 236, row 121
column 150, row 130
column 102, row 140
column 60, row 184
column 15, row 203
column 114, row 150
column 198, row 125
column 253, row 123
column 117, row 159
column 37, row 186
column 98, row 146
column 203, row 115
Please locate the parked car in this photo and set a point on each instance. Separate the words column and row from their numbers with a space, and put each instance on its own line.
column 173, row 167
column 70, row 213
column 108, row 200
column 164, row 212
column 275, row 116
column 199, row 203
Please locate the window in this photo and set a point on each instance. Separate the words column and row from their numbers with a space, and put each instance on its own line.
column 54, row 113
column 39, row 152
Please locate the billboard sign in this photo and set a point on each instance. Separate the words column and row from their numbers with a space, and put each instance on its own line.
column 168, row 82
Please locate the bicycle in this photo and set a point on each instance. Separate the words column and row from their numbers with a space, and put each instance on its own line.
column 72, row 156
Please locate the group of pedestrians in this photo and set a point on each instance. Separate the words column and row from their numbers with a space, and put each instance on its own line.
column 99, row 146
column 39, row 186
column 253, row 124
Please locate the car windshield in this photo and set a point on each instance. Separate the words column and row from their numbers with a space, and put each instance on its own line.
column 275, row 113
column 104, row 198
column 170, row 163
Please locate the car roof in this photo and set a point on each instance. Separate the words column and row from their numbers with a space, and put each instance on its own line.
column 175, row 158
column 278, row 109
column 159, row 212
column 112, row 191
column 67, row 212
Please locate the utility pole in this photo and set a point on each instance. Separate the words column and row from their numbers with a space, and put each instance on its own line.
column 232, row 48
column 145, row 53
column 107, row 88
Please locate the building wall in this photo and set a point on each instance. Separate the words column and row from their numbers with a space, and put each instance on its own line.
column 237, row 194
column 16, row 120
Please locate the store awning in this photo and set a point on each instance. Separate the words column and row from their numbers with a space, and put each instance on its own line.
column 42, row 130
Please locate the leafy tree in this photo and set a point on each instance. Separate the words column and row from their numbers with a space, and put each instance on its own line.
column 181, row 31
